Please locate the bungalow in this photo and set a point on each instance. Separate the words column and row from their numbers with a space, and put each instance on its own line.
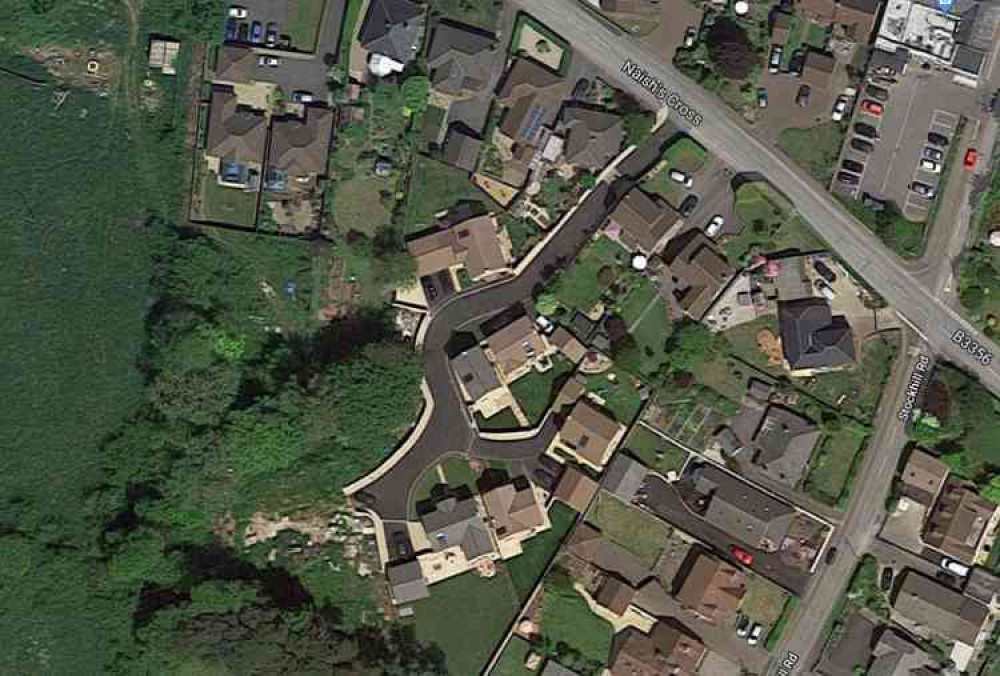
column 589, row 435
column 531, row 95
column 391, row 34
column 236, row 138
column 641, row 222
column 698, row 271
column 593, row 136
column 517, row 348
column 958, row 523
column 461, row 59
column 479, row 244
column 812, row 339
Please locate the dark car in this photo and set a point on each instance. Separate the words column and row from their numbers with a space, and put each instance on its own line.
column 831, row 554
column 231, row 30
column 923, row 189
column 853, row 165
column 797, row 63
column 401, row 545
column 862, row 145
column 877, row 93
column 886, row 580
column 824, row 271
column 802, row 98
column 865, row 129
column 243, row 33
column 937, row 139
column 688, row 205
column 272, row 34
column 256, row 32
column 848, row 179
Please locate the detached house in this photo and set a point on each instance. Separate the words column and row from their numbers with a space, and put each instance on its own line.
column 391, row 34
column 698, row 271
column 666, row 649
column 959, row 521
column 783, row 443
column 236, row 138
column 713, row 590
column 299, row 149
column 593, row 136
column 461, row 59
column 531, row 95
column 459, row 537
column 641, row 222
column 479, row 245
column 813, row 340
column 517, row 348
column 589, row 435
column 515, row 514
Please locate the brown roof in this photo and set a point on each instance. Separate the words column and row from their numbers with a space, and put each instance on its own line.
column 643, row 220
column 299, row 146
column 781, row 24
column 567, row 343
column 713, row 589
column 235, row 63
column 818, row 10
column 818, row 69
column 857, row 18
column 461, row 148
column 698, row 270
column 665, row 650
column 593, row 136
column 958, row 521
column 576, row 489
column 615, row 594
column 923, row 476
column 589, row 431
column 513, row 509
column 474, row 243
column 515, row 345
column 948, row 613
column 532, row 95
column 586, row 544
column 235, row 133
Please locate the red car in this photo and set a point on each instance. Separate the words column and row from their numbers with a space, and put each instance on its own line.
column 741, row 555
column 872, row 107
column 971, row 157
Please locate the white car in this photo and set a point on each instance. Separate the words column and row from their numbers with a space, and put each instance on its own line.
column 755, row 633
column 714, row 226
column 690, row 35
column 839, row 108
column 930, row 165
column 743, row 626
column 774, row 62
column 544, row 324
column 268, row 61
column 679, row 176
column 956, row 567
column 237, row 12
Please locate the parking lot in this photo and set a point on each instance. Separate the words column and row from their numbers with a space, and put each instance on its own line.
column 296, row 23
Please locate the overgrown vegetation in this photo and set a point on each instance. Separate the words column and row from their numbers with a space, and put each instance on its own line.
column 904, row 237
column 816, row 149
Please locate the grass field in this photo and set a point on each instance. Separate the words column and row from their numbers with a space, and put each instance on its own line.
column 227, row 205
column 815, row 149
column 638, row 532
column 771, row 225
column 578, row 287
column 655, row 451
column 511, row 662
column 816, row 36
column 351, row 17
column 685, row 154
column 774, row 635
column 906, row 238
column 477, row 13
column 535, row 391
column 831, row 465
column 526, row 569
column 303, row 22
column 621, row 395
column 857, row 391
column 436, row 187
column 504, row 420
column 566, row 617
column 764, row 600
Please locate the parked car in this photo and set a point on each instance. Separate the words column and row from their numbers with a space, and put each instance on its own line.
column 237, row 12
column 681, row 177
column 302, row 96
column 761, row 97
column 401, row 545
column 544, row 324
column 741, row 555
column 743, row 626
column 839, row 108
column 930, row 165
column 848, row 179
column 824, row 271
column 690, row 35
column 272, row 34
column 755, row 633
column 865, row 129
column 688, row 205
column 802, row 98
column 872, row 107
column 932, row 154
column 924, row 189
column 774, row 62
column 797, row 63
column 831, row 553
column 827, row 292
column 861, row 145
column 936, row 139
column 257, row 32
column 853, row 165
column 268, row 61
column 970, row 159
column 877, row 93
column 886, row 580
column 232, row 27
column 956, row 567
column 714, row 226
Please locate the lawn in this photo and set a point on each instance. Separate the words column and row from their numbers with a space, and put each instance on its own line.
column 457, row 471
column 764, row 600
column 658, row 182
column 351, row 17
column 465, row 617
column 504, row 420
column 526, row 569
column 642, row 293
column 651, row 340
column 832, row 463
column 815, row 149
column 857, row 391
column 566, row 617
column 771, row 225
column 655, row 451
column 511, row 662
column 620, row 393
column 685, row 154
column 535, row 391
column 638, row 532
column 481, row 13
column 304, row 18
column 526, row 20
column 774, row 635
column 435, row 187
column 816, row 36
column 226, row 205
column 906, row 238
column 578, row 286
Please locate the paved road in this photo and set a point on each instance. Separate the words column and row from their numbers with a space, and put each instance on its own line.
column 728, row 137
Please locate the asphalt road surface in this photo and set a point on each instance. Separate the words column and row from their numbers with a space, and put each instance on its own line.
column 724, row 134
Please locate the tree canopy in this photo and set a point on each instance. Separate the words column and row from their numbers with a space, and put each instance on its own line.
column 730, row 50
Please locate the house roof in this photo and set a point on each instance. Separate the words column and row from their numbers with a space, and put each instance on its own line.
column 895, row 655
column 698, row 269
column 515, row 345
column 458, row 523
column 946, row 612
column 713, row 588
column 853, row 648
column 593, row 136
column 624, row 476
column 615, row 594
column 783, row 443
column 857, row 17
column 532, row 95
column 589, row 431
column 475, row 372
column 553, row 668
column 460, row 58
column 474, row 243
column 300, row 146
column 392, row 28
column 513, row 508
column 235, row 63
column 407, row 582
column 819, row 10
column 922, row 477
column 567, row 343
column 665, row 650
column 811, row 337
column 236, row 133
column 461, row 148
column 575, row 488
column 588, row 545
column 643, row 220
column 958, row 521
column 818, row 68
column 781, row 23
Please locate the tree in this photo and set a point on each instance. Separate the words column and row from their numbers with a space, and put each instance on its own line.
column 693, row 344
column 199, row 398
column 730, row 50
column 415, row 90
column 638, row 124
column 546, row 304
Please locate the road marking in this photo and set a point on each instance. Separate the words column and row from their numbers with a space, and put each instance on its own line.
column 902, row 128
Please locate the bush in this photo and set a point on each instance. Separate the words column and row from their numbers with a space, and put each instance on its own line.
column 730, row 50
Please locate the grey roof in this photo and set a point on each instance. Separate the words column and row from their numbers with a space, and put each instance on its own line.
column 475, row 372
column 983, row 585
column 458, row 522
column 811, row 337
column 300, row 146
column 461, row 148
column 783, row 443
column 895, row 655
column 589, row 545
column 926, row 602
column 461, row 58
column 553, row 668
column 852, row 649
column 896, row 60
column 593, row 135
column 624, row 476
column 392, row 28
column 235, row 132
column 969, row 59
column 407, row 581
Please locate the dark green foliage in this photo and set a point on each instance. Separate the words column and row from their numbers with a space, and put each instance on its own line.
column 638, row 124
column 730, row 49
column 692, row 344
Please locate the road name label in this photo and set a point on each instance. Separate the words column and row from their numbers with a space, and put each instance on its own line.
column 965, row 341
column 655, row 87
column 787, row 664
column 917, row 380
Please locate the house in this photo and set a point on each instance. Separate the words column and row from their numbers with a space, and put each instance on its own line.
column 461, row 147
column 712, row 590
column 459, row 526
column 818, row 11
column 615, row 594
column 957, row 523
column 391, row 33
column 235, row 64
column 475, row 374
column 895, row 655
column 812, row 339
column 299, row 147
column 479, row 244
column 589, row 434
column 407, row 583
column 852, row 649
column 781, row 25
column 163, row 55
column 568, row 345
column 589, row 553
column 532, row 95
column 699, row 272
column 624, row 476
column 461, row 59
column 575, row 489
column 933, row 607
column 738, row 508
column 516, row 348
column 783, row 443
column 515, row 512
column 922, row 477
column 666, row 649
column 818, row 69
column 236, row 138
column 727, row 440
column 857, row 17
column 641, row 222
column 593, row 136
